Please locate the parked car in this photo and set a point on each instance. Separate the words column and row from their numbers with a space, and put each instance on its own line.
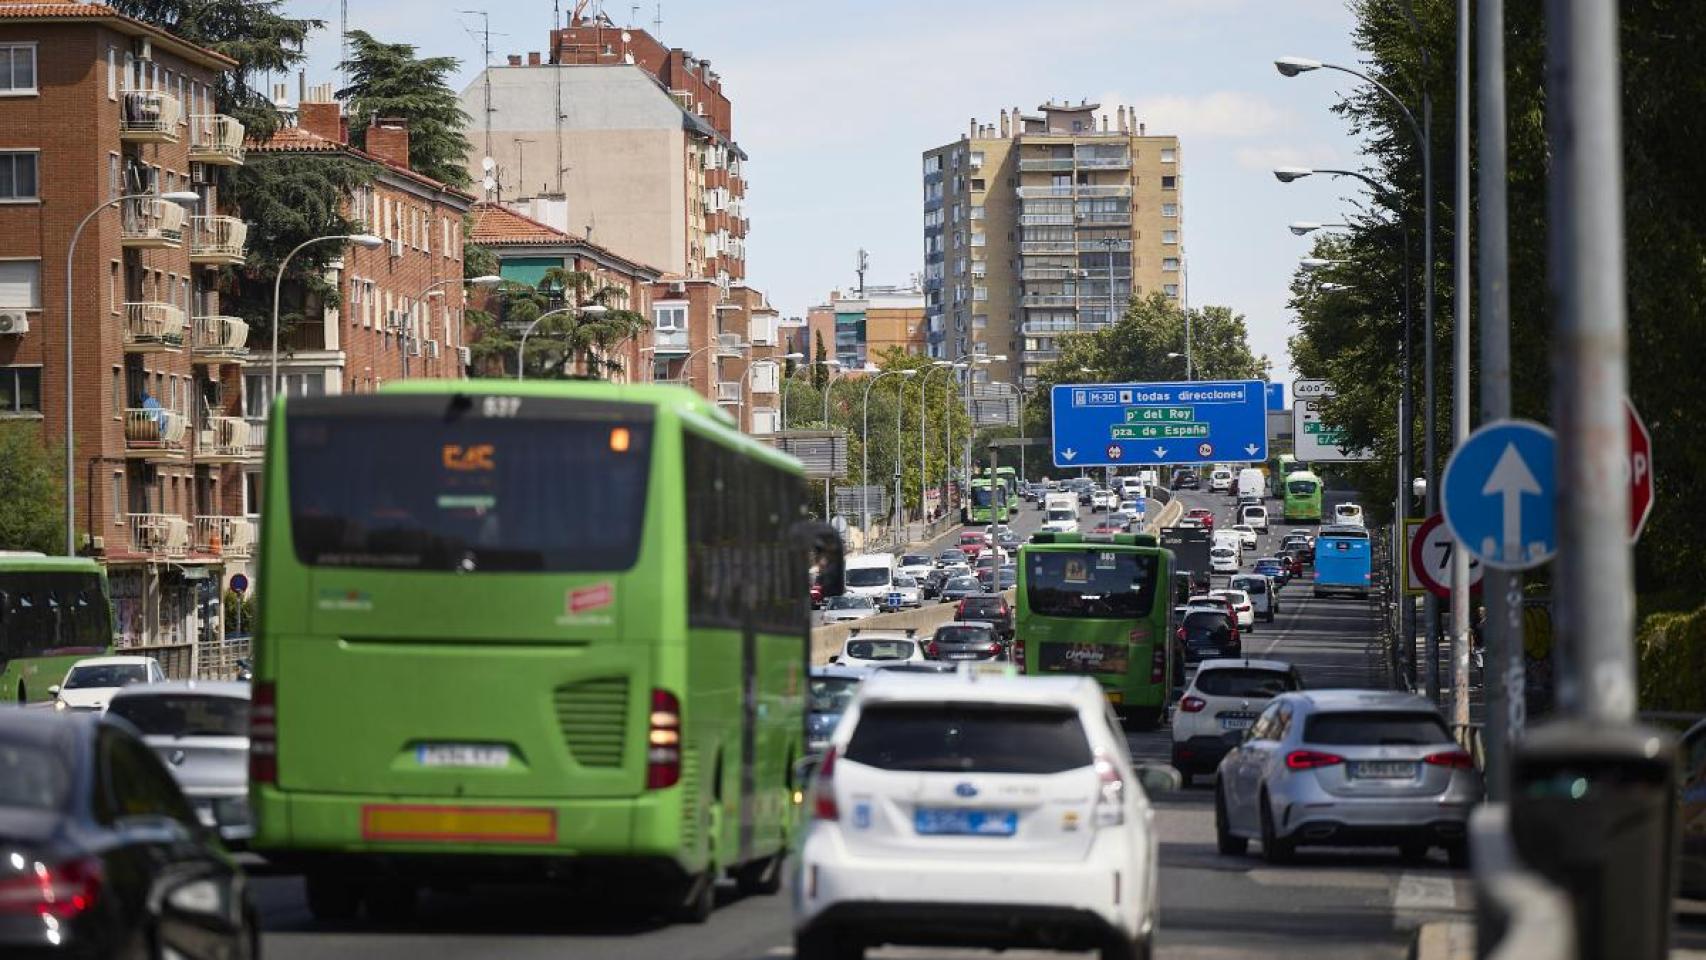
column 200, row 728
column 105, row 857
column 967, row 640
column 847, row 608
column 1347, row 767
column 1222, row 701
column 930, row 787
column 988, row 608
column 829, row 691
column 91, row 683
column 872, row 648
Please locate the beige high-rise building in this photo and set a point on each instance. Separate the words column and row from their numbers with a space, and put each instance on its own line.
column 1029, row 222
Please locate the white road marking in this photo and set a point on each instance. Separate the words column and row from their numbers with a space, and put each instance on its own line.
column 1418, row 892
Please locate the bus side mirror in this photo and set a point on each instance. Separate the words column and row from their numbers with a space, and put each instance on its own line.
column 824, row 553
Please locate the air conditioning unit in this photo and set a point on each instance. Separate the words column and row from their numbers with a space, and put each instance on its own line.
column 396, row 246
column 414, row 347
column 678, row 287
column 14, row 322
column 396, row 319
column 464, row 356
column 142, row 48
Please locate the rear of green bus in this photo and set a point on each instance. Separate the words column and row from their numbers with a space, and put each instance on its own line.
column 475, row 654
column 54, row 611
column 1302, row 497
column 1009, row 484
column 1099, row 606
column 983, row 506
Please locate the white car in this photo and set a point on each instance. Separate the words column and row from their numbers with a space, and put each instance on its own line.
column 847, row 608
column 917, row 565
column 1223, row 559
column 1223, row 699
column 1008, row 802
column 879, row 648
column 1220, row 481
column 1104, row 500
column 1247, row 535
column 1348, row 513
column 1254, row 516
column 907, row 590
column 90, row 684
column 1242, row 605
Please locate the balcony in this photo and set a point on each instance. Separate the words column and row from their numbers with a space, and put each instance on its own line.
column 149, row 116
column 1046, row 328
column 1051, row 164
column 217, row 139
column 257, row 437
column 669, row 342
column 728, row 391
column 223, row 440
column 218, row 241
column 1051, row 300
column 1045, row 220
column 154, row 433
column 1034, row 193
column 1119, row 219
column 730, row 345
column 159, row 534
column 220, row 339
column 153, row 328
column 1104, row 163
column 230, row 537
column 151, row 224
column 1107, row 191
column 1047, row 246
column 1100, row 246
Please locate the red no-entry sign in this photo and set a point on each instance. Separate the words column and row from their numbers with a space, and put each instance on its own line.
column 1640, row 472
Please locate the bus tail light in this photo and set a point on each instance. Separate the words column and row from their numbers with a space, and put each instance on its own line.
column 1158, row 662
column 1019, row 653
column 663, row 741
column 1110, row 801
column 823, row 789
column 263, row 734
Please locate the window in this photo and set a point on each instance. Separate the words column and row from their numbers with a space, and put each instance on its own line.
column 20, row 284
column 1169, row 155
column 20, row 391
column 1169, row 236
column 671, row 317
column 1169, row 183
column 970, row 737
column 112, row 73
column 17, row 69
column 1171, row 290
column 1169, row 210
column 977, row 184
column 1170, row 264
column 18, row 175
column 118, row 497
column 118, row 392
column 252, row 493
column 976, row 159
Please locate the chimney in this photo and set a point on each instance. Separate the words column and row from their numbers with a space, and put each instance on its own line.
column 388, row 139
column 1104, row 123
column 321, row 119
column 1143, row 129
column 1004, row 127
column 973, row 126
column 515, row 59
column 533, row 58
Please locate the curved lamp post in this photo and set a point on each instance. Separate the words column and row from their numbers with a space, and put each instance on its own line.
column 366, row 240
column 865, row 444
column 181, row 197
column 434, row 289
column 590, row 310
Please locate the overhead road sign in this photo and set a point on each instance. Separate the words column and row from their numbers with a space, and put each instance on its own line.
column 1109, row 424
column 1312, row 439
column 1499, row 492
column 1430, row 549
column 1276, row 396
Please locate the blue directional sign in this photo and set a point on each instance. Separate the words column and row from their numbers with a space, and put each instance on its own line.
column 1114, row 424
column 1498, row 494
column 1276, row 397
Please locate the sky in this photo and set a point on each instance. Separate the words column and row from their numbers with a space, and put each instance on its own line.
column 835, row 101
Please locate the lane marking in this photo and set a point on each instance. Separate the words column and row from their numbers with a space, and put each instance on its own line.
column 1418, row 892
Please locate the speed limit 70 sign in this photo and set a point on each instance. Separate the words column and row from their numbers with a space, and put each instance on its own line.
column 1429, row 556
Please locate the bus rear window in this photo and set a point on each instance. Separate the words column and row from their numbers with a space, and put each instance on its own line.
column 1300, row 488
column 425, row 491
column 1090, row 583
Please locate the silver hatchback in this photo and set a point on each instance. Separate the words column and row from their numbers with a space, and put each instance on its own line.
column 1347, row 768
column 200, row 729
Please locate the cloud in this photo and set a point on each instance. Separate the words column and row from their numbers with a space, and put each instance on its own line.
column 1218, row 115
column 1268, row 157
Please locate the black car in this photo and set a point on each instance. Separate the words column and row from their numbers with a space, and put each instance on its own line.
column 1186, row 480
column 1208, row 634
column 101, row 855
column 951, row 556
column 989, row 608
column 966, row 641
column 958, row 588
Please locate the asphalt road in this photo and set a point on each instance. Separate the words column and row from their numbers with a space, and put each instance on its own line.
column 1328, row 905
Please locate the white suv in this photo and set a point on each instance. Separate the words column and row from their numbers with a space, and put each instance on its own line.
column 978, row 809
column 1223, row 699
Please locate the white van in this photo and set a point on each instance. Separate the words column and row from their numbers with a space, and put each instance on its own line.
column 871, row 575
column 1060, row 513
column 1348, row 513
column 1251, row 483
column 1131, row 488
column 1220, row 480
column 1256, row 516
column 1229, row 538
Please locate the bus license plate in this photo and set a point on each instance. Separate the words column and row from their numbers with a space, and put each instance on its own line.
column 940, row 821
column 1383, row 770
column 484, row 756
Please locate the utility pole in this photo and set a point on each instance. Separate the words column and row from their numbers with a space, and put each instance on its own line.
column 1460, row 365
column 1502, row 667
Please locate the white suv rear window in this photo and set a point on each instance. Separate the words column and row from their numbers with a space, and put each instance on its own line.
column 969, row 738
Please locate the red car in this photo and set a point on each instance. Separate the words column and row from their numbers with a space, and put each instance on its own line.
column 1202, row 515
column 1293, row 561
column 973, row 544
column 817, row 595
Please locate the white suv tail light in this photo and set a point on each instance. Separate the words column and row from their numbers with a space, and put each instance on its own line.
column 1110, row 799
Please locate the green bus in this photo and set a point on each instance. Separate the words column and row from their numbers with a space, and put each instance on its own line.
column 1101, row 605
column 54, row 611
column 528, row 631
column 987, row 503
column 1009, row 478
column 1302, row 497
column 1280, row 466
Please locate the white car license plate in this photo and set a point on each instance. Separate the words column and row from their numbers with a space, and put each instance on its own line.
column 1236, row 723
column 1383, row 770
column 937, row 821
column 483, row 756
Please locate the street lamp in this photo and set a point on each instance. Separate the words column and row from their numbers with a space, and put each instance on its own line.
column 923, row 405
column 865, row 443
column 366, row 240
column 1303, row 228
column 829, row 381
column 181, row 197
column 432, row 290
column 591, row 310
column 782, row 387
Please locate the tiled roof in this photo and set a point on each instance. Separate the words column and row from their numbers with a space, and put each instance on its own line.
column 496, row 225
column 100, row 11
column 298, row 140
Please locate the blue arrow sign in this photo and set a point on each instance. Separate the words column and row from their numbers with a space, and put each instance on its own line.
column 1115, row 424
column 1498, row 494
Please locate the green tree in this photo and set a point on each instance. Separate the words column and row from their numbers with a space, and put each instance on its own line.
column 389, row 80
column 820, row 364
column 568, row 344
column 32, row 490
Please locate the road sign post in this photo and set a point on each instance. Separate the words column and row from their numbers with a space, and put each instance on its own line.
column 1116, row 424
column 1498, row 493
column 1430, row 554
column 1314, row 441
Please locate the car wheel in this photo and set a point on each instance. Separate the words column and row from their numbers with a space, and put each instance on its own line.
column 826, row 945
column 697, row 900
column 1413, row 851
column 1117, row 947
column 332, row 898
column 1224, row 841
column 761, row 878
column 1457, row 854
column 1274, row 849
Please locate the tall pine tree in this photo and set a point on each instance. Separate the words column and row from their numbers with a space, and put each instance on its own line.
column 388, row 80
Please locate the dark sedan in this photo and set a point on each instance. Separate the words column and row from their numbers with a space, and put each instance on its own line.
column 1274, row 567
column 966, row 641
column 101, row 855
column 1208, row 633
column 959, row 588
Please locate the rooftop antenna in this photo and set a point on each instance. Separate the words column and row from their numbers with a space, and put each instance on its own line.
column 486, row 74
column 343, row 40
column 657, row 24
column 862, row 263
column 557, row 75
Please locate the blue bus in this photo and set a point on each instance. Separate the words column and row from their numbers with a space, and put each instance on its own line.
column 1343, row 562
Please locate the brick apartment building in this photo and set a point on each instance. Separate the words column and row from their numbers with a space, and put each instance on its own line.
column 94, row 107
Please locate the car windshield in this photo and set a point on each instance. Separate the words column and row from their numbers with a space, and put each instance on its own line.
column 185, row 715
column 964, row 583
column 963, row 634
column 1062, row 514
column 1245, row 682
column 849, row 603
column 106, row 675
column 1376, row 728
column 867, row 576
column 880, row 649
column 33, row 776
column 982, row 496
column 914, row 560
column 1091, row 583
column 969, row 737
column 832, row 694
